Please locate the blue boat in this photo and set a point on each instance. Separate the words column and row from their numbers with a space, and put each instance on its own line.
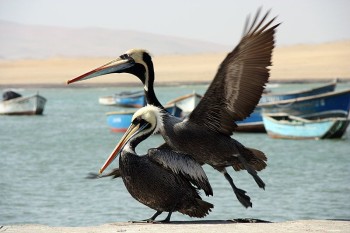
column 271, row 97
column 133, row 99
column 332, row 104
column 254, row 123
column 285, row 126
column 120, row 121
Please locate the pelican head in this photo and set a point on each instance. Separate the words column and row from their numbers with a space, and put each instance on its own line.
column 135, row 61
column 151, row 114
column 145, row 121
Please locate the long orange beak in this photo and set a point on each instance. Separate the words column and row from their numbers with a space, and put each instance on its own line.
column 132, row 130
column 116, row 66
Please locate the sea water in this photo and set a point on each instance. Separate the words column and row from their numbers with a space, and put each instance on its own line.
column 44, row 161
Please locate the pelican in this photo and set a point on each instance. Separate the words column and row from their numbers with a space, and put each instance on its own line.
column 232, row 96
column 162, row 179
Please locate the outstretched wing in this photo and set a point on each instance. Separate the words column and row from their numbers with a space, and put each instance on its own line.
column 181, row 164
column 240, row 80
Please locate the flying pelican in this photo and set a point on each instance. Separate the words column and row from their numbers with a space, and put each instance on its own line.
column 162, row 179
column 232, row 96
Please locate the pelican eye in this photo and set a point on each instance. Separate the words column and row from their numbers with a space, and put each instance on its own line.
column 142, row 122
column 124, row 56
column 139, row 121
column 136, row 121
column 127, row 57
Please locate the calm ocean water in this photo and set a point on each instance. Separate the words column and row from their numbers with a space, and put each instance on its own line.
column 44, row 160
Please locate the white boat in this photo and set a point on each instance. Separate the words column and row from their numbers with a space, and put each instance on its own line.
column 107, row 100
column 27, row 105
column 187, row 102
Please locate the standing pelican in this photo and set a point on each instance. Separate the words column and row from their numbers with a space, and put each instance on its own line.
column 162, row 179
column 232, row 96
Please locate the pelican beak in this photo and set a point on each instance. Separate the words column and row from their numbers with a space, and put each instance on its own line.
column 132, row 130
column 116, row 66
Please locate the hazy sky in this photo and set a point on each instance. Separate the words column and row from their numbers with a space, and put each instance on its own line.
column 221, row 21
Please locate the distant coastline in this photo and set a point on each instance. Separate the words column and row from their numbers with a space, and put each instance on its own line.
column 291, row 64
column 159, row 84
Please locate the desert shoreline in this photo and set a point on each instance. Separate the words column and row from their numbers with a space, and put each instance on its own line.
column 291, row 64
column 193, row 227
column 156, row 84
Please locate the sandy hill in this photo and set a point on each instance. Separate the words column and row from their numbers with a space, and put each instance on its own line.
column 20, row 41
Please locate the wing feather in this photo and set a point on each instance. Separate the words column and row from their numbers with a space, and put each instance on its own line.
column 240, row 80
column 181, row 164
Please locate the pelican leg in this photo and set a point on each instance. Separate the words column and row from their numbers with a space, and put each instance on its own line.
column 167, row 219
column 252, row 172
column 240, row 193
column 149, row 220
column 154, row 216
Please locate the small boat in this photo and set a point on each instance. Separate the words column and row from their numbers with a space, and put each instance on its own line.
column 292, row 127
column 187, row 102
column 133, row 99
column 332, row 104
column 270, row 97
column 254, row 123
column 120, row 121
column 15, row 104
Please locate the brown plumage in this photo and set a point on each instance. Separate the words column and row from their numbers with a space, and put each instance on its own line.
column 163, row 179
column 232, row 96
column 240, row 80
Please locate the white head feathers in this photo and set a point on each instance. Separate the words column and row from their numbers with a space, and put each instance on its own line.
column 152, row 115
column 137, row 55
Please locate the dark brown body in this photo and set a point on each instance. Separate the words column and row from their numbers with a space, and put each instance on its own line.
column 232, row 96
column 208, row 147
column 160, row 188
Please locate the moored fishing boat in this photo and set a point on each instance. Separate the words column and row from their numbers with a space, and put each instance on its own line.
column 292, row 127
column 271, row 96
column 254, row 123
column 332, row 104
column 134, row 99
column 187, row 102
column 15, row 104
column 119, row 121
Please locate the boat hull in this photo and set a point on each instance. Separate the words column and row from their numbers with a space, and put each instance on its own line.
column 133, row 102
column 284, row 127
column 120, row 121
column 333, row 104
column 30, row 105
column 298, row 94
column 125, row 99
column 187, row 102
column 254, row 123
column 107, row 100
